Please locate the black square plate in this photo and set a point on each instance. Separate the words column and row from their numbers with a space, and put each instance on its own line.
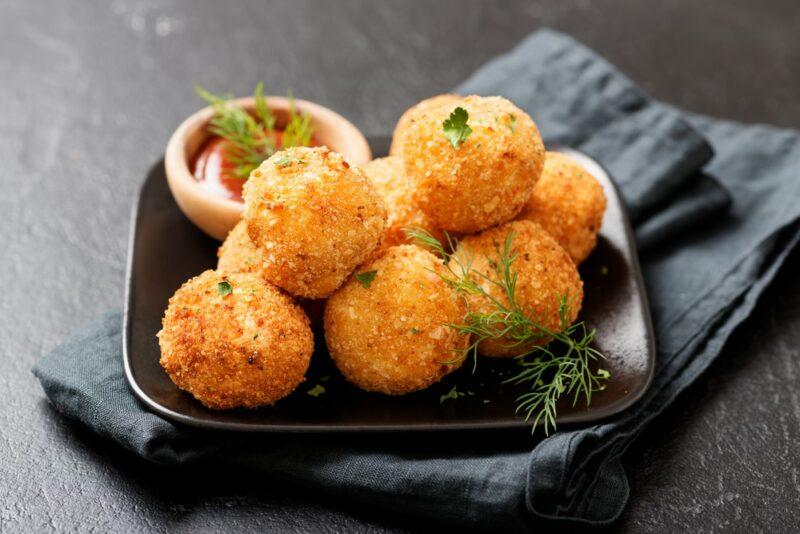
column 166, row 250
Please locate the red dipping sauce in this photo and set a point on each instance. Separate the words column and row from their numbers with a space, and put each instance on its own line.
column 216, row 174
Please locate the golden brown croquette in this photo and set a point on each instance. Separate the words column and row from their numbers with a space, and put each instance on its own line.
column 411, row 114
column 389, row 176
column 569, row 203
column 238, row 254
column 234, row 341
column 314, row 216
column 386, row 326
column 488, row 178
column 545, row 274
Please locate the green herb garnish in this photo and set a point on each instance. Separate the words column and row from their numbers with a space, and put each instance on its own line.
column 317, row 390
column 451, row 395
column 455, row 127
column 298, row 131
column 512, row 125
column 563, row 367
column 284, row 161
column 251, row 136
column 366, row 278
column 224, row 288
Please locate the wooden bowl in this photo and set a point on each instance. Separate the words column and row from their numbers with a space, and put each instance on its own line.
column 216, row 215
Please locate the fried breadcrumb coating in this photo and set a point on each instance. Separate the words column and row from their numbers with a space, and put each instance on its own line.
column 412, row 113
column 314, row 216
column 389, row 176
column 391, row 336
column 238, row 254
column 569, row 203
column 545, row 274
column 240, row 344
column 488, row 178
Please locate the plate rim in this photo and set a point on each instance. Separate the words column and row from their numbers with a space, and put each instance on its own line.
column 306, row 428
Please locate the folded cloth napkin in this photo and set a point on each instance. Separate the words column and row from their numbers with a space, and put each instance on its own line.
column 715, row 203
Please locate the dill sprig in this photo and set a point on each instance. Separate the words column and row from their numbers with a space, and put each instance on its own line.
column 561, row 367
column 251, row 136
column 298, row 130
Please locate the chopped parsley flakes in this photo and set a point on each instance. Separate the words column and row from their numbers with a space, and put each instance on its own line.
column 317, row 390
column 224, row 288
column 451, row 395
column 366, row 278
column 284, row 161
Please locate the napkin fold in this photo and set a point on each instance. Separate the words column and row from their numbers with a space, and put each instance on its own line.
column 716, row 206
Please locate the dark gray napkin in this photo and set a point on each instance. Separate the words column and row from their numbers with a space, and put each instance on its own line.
column 714, row 241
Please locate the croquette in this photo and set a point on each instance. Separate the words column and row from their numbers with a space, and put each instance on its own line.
column 411, row 114
column 314, row 216
column 238, row 254
column 386, row 327
column 487, row 178
column 569, row 203
column 234, row 341
column 389, row 176
column 545, row 275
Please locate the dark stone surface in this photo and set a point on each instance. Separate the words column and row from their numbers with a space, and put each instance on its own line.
column 92, row 91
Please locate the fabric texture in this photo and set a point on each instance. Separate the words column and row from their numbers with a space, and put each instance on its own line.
column 716, row 208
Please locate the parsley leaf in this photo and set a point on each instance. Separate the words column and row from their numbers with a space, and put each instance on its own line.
column 512, row 125
column 284, row 161
column 317, row 390
column 366, row 278
column 224, row 288
column 455, row 128
column 451, row 395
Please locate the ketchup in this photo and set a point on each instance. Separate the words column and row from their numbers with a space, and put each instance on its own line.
column 215, row 173
column 218, row 175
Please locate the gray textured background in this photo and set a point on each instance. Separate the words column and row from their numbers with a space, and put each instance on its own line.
column 91, row 90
